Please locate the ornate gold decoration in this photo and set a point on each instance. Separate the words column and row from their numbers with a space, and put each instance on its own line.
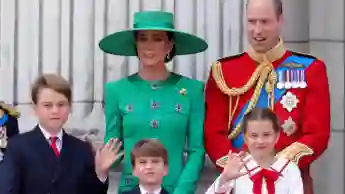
column 221, row 162
column 295, row 152
column 264, row 72
column 183, row 91
column 292, row 65
column 11, row 110
column 1, row 113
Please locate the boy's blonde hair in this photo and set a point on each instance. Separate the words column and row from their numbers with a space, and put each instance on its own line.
column 51, row 81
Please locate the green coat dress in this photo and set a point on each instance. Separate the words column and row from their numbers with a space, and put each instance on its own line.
column 172, row 111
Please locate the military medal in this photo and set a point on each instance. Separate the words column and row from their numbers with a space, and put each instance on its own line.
column 280, row 84
column 289, row 126
column 287, row 84
column 294, row 82
column 303, row 83
column 289, row 101
column 294, row 76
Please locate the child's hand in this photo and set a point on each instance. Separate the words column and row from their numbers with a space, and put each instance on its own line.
column 234, row 164
column 106, row 156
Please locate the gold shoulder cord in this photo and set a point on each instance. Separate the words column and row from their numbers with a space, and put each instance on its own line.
column 262, row 73
column 11, row 110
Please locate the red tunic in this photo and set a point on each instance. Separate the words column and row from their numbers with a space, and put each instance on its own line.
column 312, row 114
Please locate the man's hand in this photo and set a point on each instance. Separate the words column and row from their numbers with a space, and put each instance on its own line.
column 106, row 156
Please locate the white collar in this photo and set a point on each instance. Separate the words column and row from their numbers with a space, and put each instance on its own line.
column 144, row 191
column 252, row 166
column 47, row 135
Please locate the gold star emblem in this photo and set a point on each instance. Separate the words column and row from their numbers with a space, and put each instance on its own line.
column 289, row 101
column 289, row 126
column 183, row 91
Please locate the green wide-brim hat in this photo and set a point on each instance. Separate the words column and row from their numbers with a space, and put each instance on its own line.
column 123, row 42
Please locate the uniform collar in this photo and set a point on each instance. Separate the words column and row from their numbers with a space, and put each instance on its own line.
column 276, row 53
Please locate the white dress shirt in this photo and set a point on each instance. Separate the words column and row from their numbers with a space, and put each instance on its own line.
column 48, row 135
column 289, row 183
column 144, row 191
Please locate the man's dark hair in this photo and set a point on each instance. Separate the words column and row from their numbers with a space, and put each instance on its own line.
column 278, row 6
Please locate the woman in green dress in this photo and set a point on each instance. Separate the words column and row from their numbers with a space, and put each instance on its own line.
column 156, row 103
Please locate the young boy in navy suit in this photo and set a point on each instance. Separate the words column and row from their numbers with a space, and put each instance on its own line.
column 150, row 164
column 47, row 159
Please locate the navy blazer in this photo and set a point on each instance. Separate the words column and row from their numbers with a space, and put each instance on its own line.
column 136, row 190
column 31, row 167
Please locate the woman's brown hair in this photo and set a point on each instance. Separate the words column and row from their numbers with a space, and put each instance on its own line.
column 171, row 54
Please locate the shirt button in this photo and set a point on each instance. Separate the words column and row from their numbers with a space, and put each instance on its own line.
column 154, row 105
column 154, row 124
column 154, row 86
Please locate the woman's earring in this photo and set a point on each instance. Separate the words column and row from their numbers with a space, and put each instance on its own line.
column 168, row 56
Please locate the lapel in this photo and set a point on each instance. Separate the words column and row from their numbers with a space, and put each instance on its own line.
column 67, row 146
column 67, row 155
column 57, row 164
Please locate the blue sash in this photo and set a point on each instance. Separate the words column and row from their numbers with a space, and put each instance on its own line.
column 263, row 98
column 3, row 119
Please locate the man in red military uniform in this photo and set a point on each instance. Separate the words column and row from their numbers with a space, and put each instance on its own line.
column 294, row 85
column 8, row 125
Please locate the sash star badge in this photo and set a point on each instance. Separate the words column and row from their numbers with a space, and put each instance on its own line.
column 289, row 101
column 289, row 126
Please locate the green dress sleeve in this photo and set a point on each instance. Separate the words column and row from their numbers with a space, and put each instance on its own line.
column 113, row 118
column 195, row 143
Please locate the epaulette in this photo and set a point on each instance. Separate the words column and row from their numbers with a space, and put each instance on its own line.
column 303, row 55
column 10, row 110
column 231, row 57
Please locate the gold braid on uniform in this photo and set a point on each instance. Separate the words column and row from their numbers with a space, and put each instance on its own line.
column 9, row 109
column 295, row 152
column 264, row 72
